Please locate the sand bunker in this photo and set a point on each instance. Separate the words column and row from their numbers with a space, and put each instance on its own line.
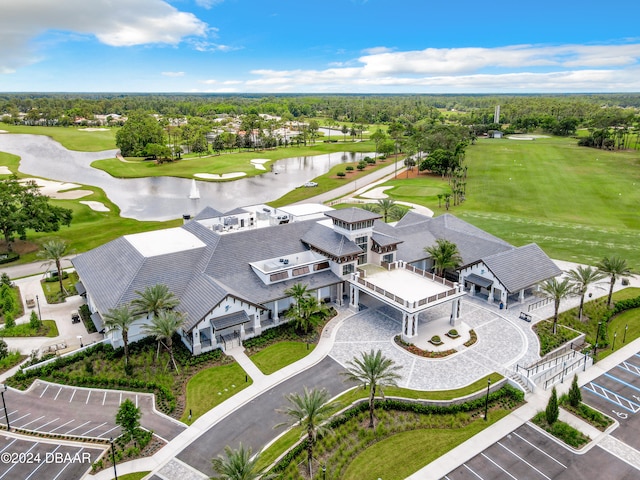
column 3, row 131
column 215, row 176
column 97, row 206
column 92, row 129
column 56, row 189
column 4, row 170
column 376, row 193
column 258, row 163
column 526, row 137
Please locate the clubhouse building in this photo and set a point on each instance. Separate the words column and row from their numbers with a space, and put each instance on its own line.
column 231, row 271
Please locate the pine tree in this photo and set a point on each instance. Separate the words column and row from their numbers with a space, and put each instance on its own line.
column 575, row 396
column 553, row 411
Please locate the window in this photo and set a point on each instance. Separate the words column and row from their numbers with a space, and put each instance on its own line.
column 320, row 266
column 300, row 270
column 348, row 268
column 388, row 258
column 279, row 276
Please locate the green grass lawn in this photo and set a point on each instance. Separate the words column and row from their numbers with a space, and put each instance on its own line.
column 279, row 355
column 224, row 163
column 49, row 329
column 402, row 454
column 72, row 138
column 578, row 204
column 629, row 320
column 211, row 387
column 133, row 476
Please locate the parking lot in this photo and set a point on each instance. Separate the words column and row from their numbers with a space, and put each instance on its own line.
column 617, row 393
column 528, row 454
column 26, row 459
column 64, row 410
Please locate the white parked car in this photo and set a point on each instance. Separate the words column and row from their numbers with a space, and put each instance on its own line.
column 311, row 184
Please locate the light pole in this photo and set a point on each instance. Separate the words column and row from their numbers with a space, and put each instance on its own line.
column 624, row 337
column 595, row 346
column 614, row 341
column 6, row 414
column 113, row 457
column 324, row 472
column 38, row 303
column 486, row 402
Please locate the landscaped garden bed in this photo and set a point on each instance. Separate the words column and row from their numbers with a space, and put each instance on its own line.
column 549, row 341
column 561, row 430
column 411, row 348
column 403, row 428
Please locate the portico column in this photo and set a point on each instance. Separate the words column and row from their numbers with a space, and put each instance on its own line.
column 455, row 312
column 490, row 299
column 195, row 337
column 276, row 318
column 257, row 325
column 355, row 297
column 521, row 296
column 340, row 293
column 241, row 332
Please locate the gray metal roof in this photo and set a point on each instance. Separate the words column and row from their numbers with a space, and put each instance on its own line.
column 96, row 318
column 206, row 213
column 327, row 240
column 230, row 320
column 478, row 280
column 522, row 267
column 384, row 240
column 352, row 215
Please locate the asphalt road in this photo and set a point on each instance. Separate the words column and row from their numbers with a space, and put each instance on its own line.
column 252, row 424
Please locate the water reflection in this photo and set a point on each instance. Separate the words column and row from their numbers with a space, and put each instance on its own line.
column 164, row 198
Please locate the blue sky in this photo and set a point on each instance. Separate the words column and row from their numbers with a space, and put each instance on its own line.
column 331, row 46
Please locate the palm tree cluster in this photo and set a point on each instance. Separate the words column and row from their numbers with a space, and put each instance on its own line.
column 308, row 311
column 445, row 255
column 388, row 208
column 578, row 281
column 156, row 302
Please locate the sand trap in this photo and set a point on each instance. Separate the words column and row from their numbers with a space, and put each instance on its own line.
column 526, row 137
column 376, row 193
column 97, row 206
column 5, row 170
column 215, row 176
column 258, row 163
column 56, row 189
column 3, row 131
column 92, row 129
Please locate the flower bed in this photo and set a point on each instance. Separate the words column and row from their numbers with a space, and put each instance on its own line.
column 411, row 348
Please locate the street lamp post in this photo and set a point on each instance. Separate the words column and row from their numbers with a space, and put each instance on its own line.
column 6, row 414
column 624, row 337
column 614, row 341
column 38, row 303
column 113, row 457
column 324, row 472
column 595, row 346
column 486, row 402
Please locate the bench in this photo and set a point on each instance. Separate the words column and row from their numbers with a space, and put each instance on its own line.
column 525, row 316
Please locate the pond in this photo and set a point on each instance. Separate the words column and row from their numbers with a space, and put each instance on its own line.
column 164, row 198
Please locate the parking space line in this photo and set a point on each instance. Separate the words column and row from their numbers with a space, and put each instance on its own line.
column 61, row 471
column 18, row 463
column 618, row 399
column 619, row 380
column 94, row 428
column 77, row 427
column 22, row 426
column 42, row 463
column 42, row 426
column 104, row 398
column 629, row 367
column 14, row 420
column 72, row 395
column 468, row 468
column 51, row 431
column 100, row 436
column 514, row 478
column 88, row 397
column 45, row 389
column 58, row 393
column 540, row 450
column 10, row 443
column 524, row 461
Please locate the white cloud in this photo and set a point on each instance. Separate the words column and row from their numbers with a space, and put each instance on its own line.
column 208, row 3
column 173, row 74
column 117, row 23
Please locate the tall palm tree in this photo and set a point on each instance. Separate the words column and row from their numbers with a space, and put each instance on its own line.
column 308, row 313
column 53, row 251
column 154, row 299
column 582, row 278
column 299, row 293
column 613, row 267
column 557, row 291
column 374, row 369
column 309, row 410
column 385, row 206
column 162, row 327
column 445, row 254
column 121, row 318
column 239, row 465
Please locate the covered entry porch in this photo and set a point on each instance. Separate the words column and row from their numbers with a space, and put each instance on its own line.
column 407, row 289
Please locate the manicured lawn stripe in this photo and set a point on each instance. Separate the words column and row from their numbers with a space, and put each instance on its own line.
column 279, row 355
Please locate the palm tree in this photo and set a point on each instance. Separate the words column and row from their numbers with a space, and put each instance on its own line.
column 121, row 318
column 299, row 293
column 309, row 410
column 582, row 278
column 239, row 465
column 385, row 206
column 445, row 254
column 613, row 267
column 162, row 327
column 558, row 291
column 154, row 299
column 53, row 251
column 376, row 370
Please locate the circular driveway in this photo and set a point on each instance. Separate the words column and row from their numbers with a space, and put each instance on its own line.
column 501, row 344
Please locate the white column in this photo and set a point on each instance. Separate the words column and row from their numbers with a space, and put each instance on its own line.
column 276, row 318
column 521, row 296
column 355, row 297
column 490, row 299
column 455, row 313
column 197, row 348
column 340, row 293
